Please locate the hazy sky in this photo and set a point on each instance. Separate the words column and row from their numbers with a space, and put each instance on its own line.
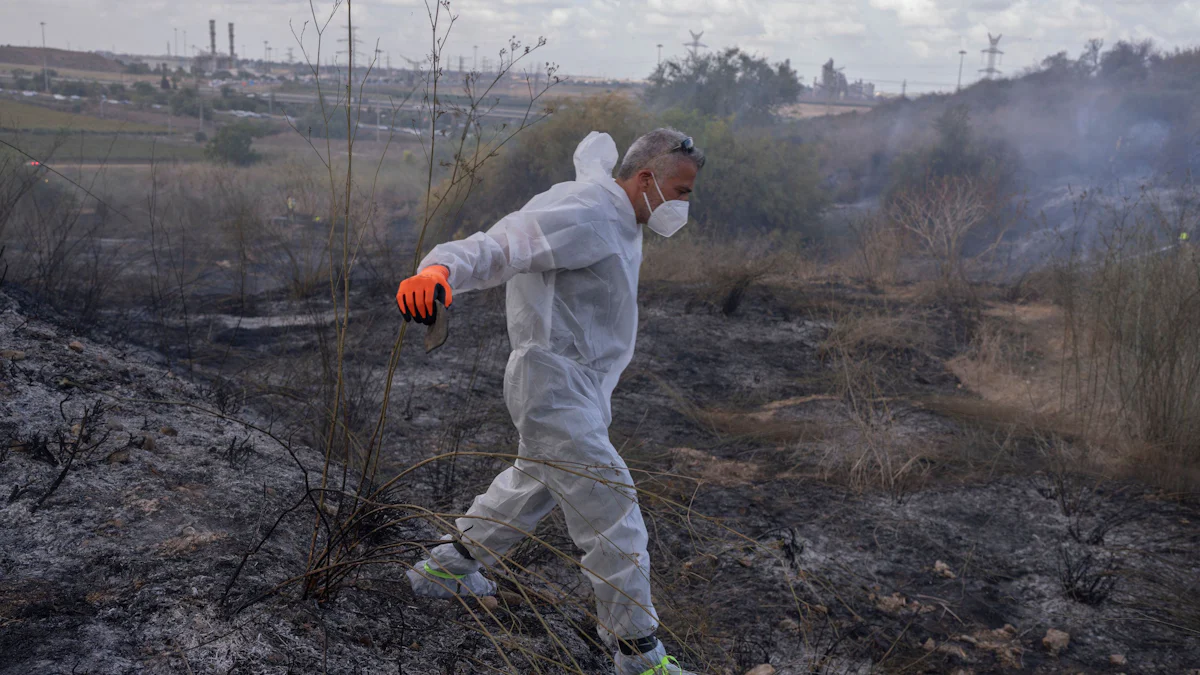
column 881, row 40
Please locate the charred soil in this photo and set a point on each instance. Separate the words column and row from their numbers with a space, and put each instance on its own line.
column 808, row 507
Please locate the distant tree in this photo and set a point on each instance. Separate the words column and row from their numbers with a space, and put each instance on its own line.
column 958, row 153
column 754, row 181
column 187, row 102
column 232, row 145
column 541, row 156
column 1089, row 60
column 730, row 83
column 1127, row 61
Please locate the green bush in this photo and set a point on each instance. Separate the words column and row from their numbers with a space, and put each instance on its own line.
column 542, row 156
column 232, row 145
column 753, row 182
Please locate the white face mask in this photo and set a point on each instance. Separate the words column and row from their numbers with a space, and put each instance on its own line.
column 669, row 217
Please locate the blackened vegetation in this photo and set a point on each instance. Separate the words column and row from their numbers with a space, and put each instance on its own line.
column 77, row 444
column 1087, row 576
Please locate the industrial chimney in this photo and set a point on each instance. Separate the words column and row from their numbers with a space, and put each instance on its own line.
column 232, row 54
column 212, row 37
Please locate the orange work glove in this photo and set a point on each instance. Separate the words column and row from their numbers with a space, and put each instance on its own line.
column 416, row 295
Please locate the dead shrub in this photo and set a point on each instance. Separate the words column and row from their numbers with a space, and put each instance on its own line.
column 878, row 248
column 880, row 457
column 56, row 246
column 941, row 216
column 721, row 271
column 1085, row 576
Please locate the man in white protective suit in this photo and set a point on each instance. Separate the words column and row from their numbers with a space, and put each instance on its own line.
column 570, row 258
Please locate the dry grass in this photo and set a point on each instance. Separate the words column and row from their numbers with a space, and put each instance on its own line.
column 723, row 271
column 859, row 334
column 878, row 247
column 1015, row 359
column 874, row 452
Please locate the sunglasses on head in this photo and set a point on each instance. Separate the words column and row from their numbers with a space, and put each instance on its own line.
column 687, row 145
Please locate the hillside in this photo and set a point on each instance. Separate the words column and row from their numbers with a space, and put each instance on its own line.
column 57, row 58
column 123, row 564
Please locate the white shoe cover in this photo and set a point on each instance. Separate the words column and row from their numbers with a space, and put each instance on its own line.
column 649, row 663
column 446, row 573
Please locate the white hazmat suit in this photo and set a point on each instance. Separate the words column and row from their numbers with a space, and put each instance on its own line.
column 570, row 258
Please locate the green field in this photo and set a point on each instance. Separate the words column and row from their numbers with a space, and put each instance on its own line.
column 19, row 115
column 73, row 148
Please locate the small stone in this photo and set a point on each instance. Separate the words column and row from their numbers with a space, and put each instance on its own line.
column 1056, row 641
column 1117, row 659
column 929, row 645
column 820, row 609
column 953, row 650
column 764, row 669
column 489, row 603
column 892, row 604
column 113, row 425
column 942, row 569
column 148, row 443
column 118, row 457
column 168, row 431
column 745, row 562
column 75, row 346
column 12, row 354
column 415, row 646
column 789, row 626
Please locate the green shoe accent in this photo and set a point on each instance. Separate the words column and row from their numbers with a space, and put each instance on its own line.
column 661, row 667
column 442, row 575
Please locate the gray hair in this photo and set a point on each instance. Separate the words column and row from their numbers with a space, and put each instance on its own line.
column 654, row 151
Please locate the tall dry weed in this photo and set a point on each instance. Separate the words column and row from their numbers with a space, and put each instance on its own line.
column 1132, row 307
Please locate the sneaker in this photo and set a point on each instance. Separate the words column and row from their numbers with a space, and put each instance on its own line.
column 653, row 662
column 447, row 573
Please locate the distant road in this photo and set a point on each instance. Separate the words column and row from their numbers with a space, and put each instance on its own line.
column 509, row 112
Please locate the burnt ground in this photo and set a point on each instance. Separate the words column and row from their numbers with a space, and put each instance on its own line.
column 797, row 518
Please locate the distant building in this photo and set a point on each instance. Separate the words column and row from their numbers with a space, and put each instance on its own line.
column 833, row 86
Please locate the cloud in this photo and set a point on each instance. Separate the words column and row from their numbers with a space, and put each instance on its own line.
column 914, row 12
column 889, row 40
